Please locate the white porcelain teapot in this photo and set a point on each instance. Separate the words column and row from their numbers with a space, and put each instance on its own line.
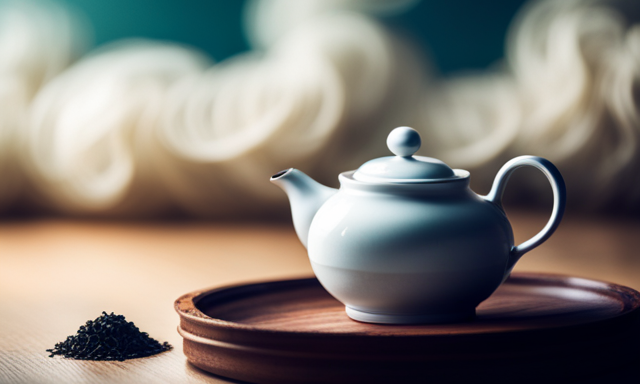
column 405, row 240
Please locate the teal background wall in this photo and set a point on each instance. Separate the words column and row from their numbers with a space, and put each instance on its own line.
column 214, row 26
column 459, row 34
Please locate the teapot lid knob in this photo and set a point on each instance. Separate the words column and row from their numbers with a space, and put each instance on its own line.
column 404, row 168
column 404, row 141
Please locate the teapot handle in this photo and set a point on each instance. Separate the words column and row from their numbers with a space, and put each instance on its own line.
column 559, row 201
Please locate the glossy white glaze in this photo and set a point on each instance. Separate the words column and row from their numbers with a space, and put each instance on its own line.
column 306, row 196
column 405, row 251
column 404, row 167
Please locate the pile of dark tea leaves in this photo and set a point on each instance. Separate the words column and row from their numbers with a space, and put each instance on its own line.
column 109, row 337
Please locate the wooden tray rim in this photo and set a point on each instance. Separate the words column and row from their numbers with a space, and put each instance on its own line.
column 186, row 305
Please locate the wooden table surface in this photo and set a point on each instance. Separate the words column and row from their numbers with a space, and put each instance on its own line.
column 56, row 274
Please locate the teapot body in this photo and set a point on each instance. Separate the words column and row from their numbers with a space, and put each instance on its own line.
column 405, row 240
column 408, row 253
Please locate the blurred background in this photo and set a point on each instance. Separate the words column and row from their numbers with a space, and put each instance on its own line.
column 153, row 109
column 146, row 111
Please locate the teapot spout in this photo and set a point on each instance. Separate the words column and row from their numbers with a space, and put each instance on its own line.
column 306, row 196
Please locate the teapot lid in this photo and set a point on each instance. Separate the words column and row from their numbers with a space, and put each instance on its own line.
column 403, row 142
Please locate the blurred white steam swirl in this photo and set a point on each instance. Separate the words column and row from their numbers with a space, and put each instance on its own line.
column 577, row 67
column 570, row 92
column 37, row 42
column 141, row 128
column 88, row 149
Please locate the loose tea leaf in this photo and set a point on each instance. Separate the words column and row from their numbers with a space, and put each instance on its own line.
column 109, row 337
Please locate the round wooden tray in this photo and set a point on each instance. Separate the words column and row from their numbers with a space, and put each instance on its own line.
column 534, row 327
